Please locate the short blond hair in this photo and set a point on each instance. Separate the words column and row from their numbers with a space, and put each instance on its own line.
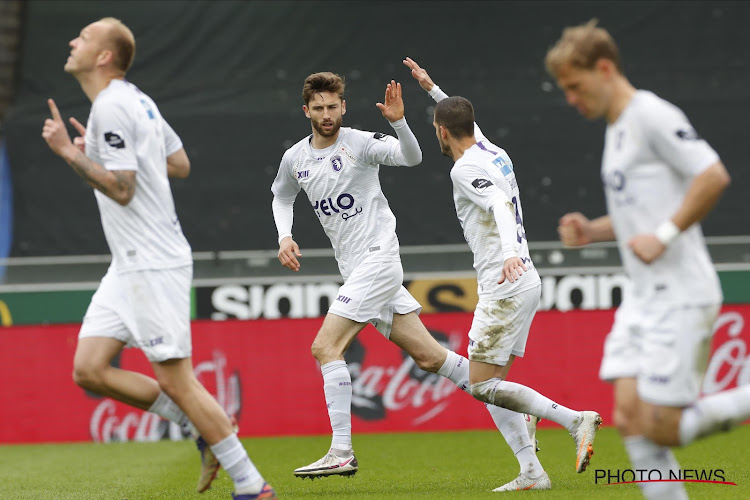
column 581, row 47
column 123, row 43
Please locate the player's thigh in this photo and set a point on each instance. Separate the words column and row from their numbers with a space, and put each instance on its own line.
column 410, row 334
column 500, row 328
column 627, row 410
column 95, row 353
column 160, row 307
column 334, row 337
column 675, row 351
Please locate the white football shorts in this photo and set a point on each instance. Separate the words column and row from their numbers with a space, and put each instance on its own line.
column 501, row 327
column 374, row 293
column 664, row 346
column 147, row 309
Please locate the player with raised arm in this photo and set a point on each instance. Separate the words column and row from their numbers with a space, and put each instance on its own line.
column 337, row 167
column 126, row 153
column 660, row 180
column 488, row 206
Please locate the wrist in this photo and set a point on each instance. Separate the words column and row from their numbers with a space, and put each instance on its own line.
column 398, row 123
column 434, row 90
column 69, row 152
column 667, row 232
column 286, row 235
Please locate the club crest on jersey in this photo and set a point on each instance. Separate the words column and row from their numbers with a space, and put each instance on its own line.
column 114, row 140
column 481, row 184
column 337, row 163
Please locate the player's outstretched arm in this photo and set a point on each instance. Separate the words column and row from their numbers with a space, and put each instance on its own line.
column 118, row 185
column 392, row 106
column 421, row 76
column 576, row 230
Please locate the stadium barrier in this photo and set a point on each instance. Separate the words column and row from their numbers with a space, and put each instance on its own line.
column 267, row 363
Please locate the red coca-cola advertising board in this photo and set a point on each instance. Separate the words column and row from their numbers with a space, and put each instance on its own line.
column 263, row 372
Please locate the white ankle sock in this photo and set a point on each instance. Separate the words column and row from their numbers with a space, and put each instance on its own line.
column 233, row 457
column 337, row 386
column 647, row 455
column 715, row 413
column 513, row 428
column 456, row 369
column 168, row 409
column 522, row 399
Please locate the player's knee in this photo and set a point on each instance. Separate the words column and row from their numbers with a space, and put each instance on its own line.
column 625, row 419
column 661, row 429
column 87, row 377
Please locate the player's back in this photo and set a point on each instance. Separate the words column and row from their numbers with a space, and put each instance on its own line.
column 477, row 175
column 126, row 131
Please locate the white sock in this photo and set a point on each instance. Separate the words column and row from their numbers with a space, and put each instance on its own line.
column 233, row 457
column 337, row 386
column 522, row 399
column 512, row 426
column 168, row 409
column 714, row 413
column 456, row 369
column 647, row 455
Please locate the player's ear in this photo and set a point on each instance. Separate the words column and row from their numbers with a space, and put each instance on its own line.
column 605, row 66
column 343, row 107
column 306, row 110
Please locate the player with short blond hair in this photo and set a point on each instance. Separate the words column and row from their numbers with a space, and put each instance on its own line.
column 660, row 180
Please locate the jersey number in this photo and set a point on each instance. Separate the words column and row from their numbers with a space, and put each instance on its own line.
column 520, row 233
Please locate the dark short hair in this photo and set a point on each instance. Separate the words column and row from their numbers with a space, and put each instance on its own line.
column 322, row 82
column 456, row 114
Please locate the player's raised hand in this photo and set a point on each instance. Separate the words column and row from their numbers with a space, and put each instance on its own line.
column 79, row 142
column 288, row 253
column 574, row 230
column 393, row 109
column 419, row 74
column 54, row 131
column 646, row 247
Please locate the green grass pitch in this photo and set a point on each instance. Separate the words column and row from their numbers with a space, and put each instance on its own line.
column 416, row 465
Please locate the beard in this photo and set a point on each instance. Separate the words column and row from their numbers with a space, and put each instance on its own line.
column 328, row 133
column 445, row 149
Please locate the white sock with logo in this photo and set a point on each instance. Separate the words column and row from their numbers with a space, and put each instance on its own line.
column 714, row 413
column 648, row 456
column 168, row 409
column 522, row 399
column 233, row 457
column 337, row 386
column 513, row 428
column 456, row 369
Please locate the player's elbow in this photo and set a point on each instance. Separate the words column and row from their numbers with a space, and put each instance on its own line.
column 414, row 160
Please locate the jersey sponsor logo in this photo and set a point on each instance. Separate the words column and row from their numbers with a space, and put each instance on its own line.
column 149, row 111
column 614, row 180
column 379, row 136
column 348, row 154
column 114, row 140
column 688, row 134
column 337, row 163
column 328, row 206
column 481, row 184
column 505, row 166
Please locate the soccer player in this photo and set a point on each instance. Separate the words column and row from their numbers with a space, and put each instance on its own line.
column 488, row 205
column 338, row 170
column 126, row 153
column 660, row 179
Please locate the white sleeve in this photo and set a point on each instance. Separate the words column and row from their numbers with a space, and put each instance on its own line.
column 474, row 184
column 437, row 94
column 384, row 149
column 115, row 138
column 172, row 141
column 283, row 216
column 674, row 139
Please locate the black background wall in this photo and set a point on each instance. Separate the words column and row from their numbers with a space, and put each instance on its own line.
column 228, row 77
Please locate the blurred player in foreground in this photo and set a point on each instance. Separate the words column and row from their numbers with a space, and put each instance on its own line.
column 488, row 205
column 660, row 179
column 126, row 153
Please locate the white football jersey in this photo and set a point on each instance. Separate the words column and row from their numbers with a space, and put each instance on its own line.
column 342, row 184
column 651, row 155
column 478, row 176
column 125, row 131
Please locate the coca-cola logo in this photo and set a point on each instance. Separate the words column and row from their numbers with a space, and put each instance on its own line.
column 377, row 388
column 111, row 421
column 730, row 363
